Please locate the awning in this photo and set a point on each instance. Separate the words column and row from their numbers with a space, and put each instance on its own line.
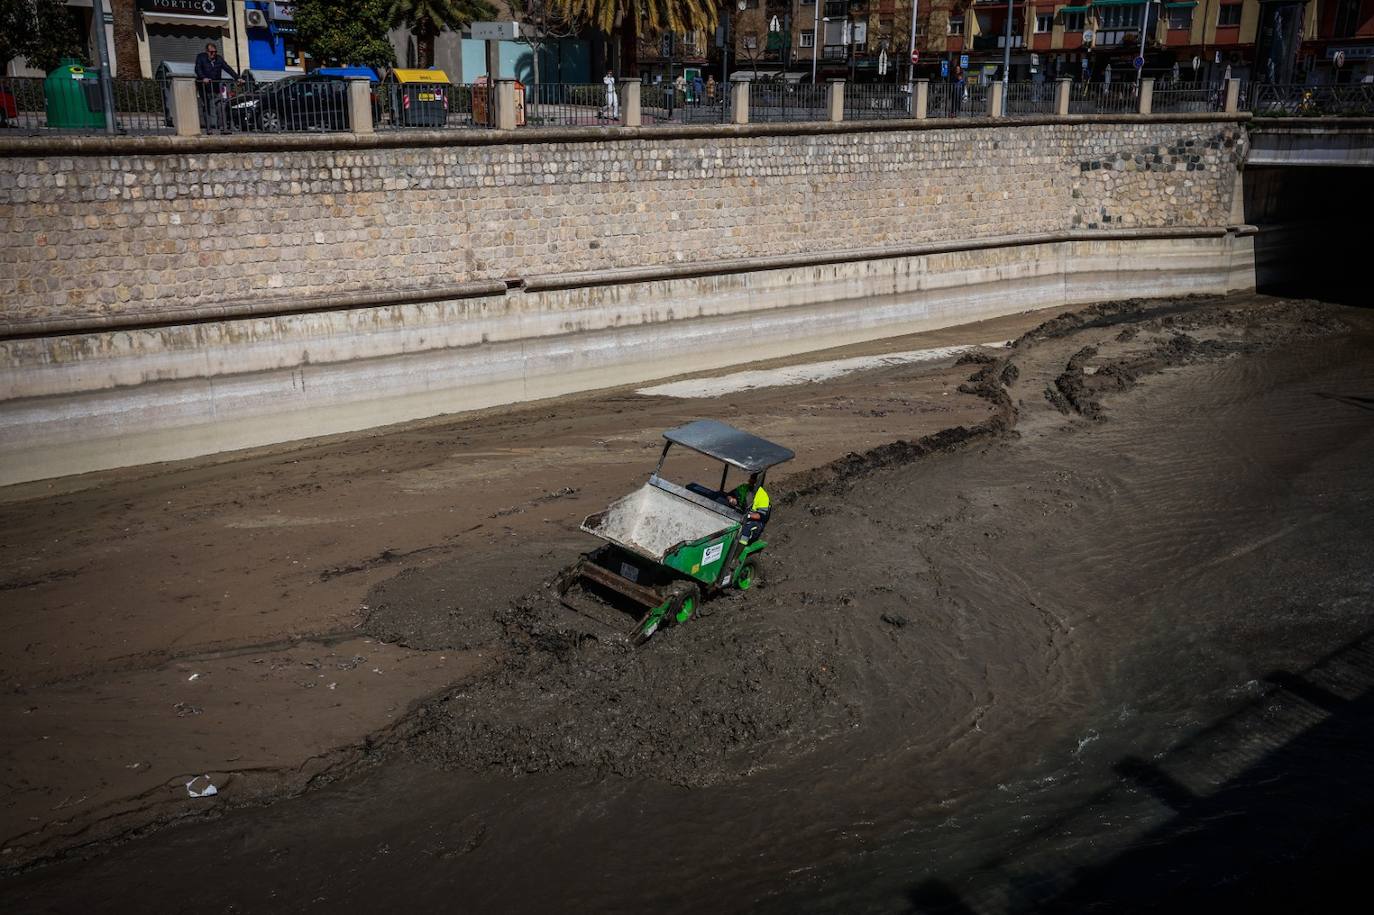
column 1118, row 2
column 1073, row 9
column 178, row 19
column 1181, row 6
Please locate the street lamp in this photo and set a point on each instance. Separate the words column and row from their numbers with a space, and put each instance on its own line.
column 1144, row 24
column 725, row 49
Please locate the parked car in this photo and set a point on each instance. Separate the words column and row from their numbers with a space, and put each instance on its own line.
column 313, row 101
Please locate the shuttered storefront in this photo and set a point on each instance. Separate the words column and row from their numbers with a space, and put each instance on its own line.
column 179, row 43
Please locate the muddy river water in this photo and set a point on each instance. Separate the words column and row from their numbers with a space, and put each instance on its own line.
column 1111, row 652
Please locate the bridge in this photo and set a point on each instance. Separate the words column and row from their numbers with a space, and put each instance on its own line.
column 1319, row 142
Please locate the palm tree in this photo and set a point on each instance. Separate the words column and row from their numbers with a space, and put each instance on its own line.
column 630, row 17
column 427, row 18
column 126, row 40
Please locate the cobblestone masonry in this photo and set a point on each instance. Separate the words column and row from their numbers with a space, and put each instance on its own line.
column 101, row 234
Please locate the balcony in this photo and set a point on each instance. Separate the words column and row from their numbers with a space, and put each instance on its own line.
column 997, row 42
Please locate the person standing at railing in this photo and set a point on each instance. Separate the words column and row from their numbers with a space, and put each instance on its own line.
column 214, row 102
column 698, row 89
column 612, row 109
column 710, row 90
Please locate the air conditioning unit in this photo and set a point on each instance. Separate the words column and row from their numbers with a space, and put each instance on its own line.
column 256, row 19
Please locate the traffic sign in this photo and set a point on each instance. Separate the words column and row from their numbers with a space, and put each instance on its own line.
column 963, row 61
column 1338, row 59
column 1138, row 62
column 944, row 69
column 915, row 57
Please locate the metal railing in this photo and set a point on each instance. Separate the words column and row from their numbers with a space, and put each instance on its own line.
column 787, row 102
column 1276, row 100
column 399, row 106
column 663, row 104
column 571, row 105
column 876, row 101
column 1171, row 97
column 290, row 105
column 1103, row 98
column 140, row 106
column 951, row 100
column 1027, row 99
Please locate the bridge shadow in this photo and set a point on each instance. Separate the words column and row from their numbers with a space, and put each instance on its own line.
column 1270, row 809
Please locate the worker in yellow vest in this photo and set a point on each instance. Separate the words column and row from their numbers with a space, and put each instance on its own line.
column 757, row 515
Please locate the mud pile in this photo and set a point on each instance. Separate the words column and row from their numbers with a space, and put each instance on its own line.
column 857, row 624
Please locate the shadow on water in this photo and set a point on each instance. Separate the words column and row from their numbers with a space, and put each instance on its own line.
column 1269, row 809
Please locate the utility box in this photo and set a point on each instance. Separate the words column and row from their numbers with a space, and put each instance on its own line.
column 71, row 95
column 419, row 98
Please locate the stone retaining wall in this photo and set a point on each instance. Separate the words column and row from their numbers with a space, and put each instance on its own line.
column 88, row 235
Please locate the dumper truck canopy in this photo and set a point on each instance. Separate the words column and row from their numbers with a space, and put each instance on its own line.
column 726, row 443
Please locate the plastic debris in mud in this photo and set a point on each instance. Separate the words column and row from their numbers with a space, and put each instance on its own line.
column 208, row 791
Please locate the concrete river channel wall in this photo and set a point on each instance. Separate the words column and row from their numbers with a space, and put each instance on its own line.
column 165, row 297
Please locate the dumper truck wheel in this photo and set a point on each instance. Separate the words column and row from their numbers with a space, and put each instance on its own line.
column 686, row 601
column 750, row 575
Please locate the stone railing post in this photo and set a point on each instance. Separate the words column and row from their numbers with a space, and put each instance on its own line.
column 1232, row 96
column 995, row 91
column 739, row 102
column 629, row 102
column 920, row 99
column 505, row 104
column 1147, row 95
column 834, row 100
column 360, row 104
column 185, row 111
column 1062, row 88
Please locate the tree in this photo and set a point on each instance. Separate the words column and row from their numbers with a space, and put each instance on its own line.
column 543, row 22
column 125, row 39
column 344, row 32
column 40, row 31
column 628, row 18
column 427, row 18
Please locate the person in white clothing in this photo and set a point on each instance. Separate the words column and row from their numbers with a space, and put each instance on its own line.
column 612, row 99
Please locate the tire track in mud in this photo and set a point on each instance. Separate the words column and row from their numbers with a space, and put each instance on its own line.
column 816, row 655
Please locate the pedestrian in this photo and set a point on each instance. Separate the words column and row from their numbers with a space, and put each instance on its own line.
column 680, row 87
column 612, row 109
column 213, row 96
column 710, row 90
column 698, row 89
column 960, row 87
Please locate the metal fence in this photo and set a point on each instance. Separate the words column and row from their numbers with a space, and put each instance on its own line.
column 876, row 101
column 571, row 105
column 1276, row 100
column 787, row 102
column 1103, row 98
column 1027, row 99
column 140, row 106
column 951, row 100
column 400, row 106
column 1171, row 97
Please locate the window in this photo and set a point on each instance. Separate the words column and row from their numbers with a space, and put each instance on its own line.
column 1122, row 17
column 1347, row 19
column 1181, row 18
column 751, row 42
column 1044, row 22
column 1073, row 22
column 808, row 39
column 1229, row 15
column 956, row 25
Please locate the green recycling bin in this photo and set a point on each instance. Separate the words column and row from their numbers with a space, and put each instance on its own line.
column 72, row 96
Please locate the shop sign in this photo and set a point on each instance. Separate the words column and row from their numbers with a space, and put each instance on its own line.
column 284, row 12
column 1358, row 52
column 218, row 9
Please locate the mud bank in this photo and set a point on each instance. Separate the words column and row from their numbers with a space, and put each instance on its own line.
column 847, row 615
column 989, row 663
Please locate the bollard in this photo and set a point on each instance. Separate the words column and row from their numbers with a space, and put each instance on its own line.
column 995, row 91
column 1147, row 95
column 629, row 102
column 360, row 104
column 1062, row 88
column 739, row 103
column 834, row 100
column 505, row 104
column 920, row 100
column 1232, row 96
column 185, row 111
